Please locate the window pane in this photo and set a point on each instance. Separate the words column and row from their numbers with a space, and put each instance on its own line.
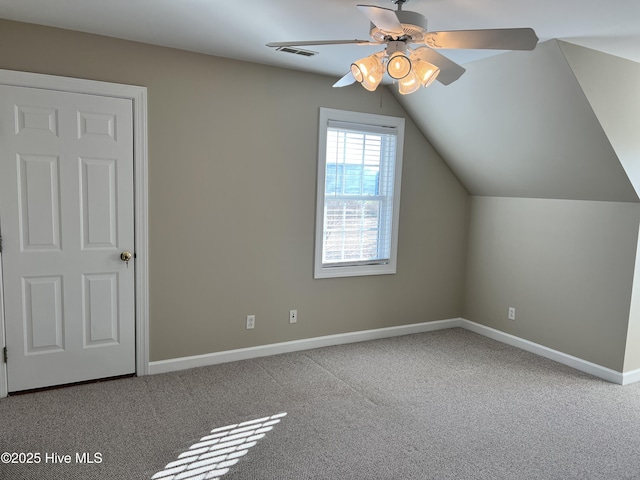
column 356, row 230
column 352, row 179
column 359, row 163
column 351, row 230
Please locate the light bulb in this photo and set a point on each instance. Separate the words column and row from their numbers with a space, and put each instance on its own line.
column 372, row 80
column 368, row 71
column 409, row 84
column 399, row 65
column 425, row 71
column 364, row 67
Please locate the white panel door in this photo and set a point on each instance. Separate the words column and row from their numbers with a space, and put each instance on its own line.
column 66, row 215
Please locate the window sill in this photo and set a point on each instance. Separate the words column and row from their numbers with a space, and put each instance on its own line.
column 353, row 271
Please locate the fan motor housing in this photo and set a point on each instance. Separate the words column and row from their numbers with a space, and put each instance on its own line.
column 414, row 26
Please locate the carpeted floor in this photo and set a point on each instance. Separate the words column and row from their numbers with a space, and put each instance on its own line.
column 442, row 405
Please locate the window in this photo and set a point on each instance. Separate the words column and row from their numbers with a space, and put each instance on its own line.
column 359, row 173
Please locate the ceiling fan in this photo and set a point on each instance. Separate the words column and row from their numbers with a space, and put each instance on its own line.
column 417, row 66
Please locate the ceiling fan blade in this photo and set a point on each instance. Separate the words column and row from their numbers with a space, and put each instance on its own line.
column 348, row 79
column 496, row 39
column 383, row 18
column 449, row 70
column 305, row 43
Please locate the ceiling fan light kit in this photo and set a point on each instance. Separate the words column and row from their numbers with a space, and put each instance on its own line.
column 412, row 68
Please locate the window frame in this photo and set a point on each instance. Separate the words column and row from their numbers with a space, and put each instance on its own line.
column 357, row 119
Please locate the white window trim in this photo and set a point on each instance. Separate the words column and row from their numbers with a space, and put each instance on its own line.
column 326, row 114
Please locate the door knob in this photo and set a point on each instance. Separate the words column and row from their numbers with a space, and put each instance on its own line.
column 125, row 256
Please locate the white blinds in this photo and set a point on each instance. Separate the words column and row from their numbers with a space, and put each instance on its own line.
column 358, row 207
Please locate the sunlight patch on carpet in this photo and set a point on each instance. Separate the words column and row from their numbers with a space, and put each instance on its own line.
column 212, row 456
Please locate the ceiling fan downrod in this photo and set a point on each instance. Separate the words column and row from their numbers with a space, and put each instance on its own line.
column 399, row 3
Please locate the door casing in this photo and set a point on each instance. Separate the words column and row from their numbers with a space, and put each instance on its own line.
column 138, row 95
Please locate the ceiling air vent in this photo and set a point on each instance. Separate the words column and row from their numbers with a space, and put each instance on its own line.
column 297, row 51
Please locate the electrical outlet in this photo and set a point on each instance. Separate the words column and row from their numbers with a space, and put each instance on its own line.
column 512, row 313
column 251, row 322
column 293, row 316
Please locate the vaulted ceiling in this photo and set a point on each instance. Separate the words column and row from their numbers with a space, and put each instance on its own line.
column 240, row 29
column 552, row 123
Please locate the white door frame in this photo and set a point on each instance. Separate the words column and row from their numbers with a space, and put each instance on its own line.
column 138, row 95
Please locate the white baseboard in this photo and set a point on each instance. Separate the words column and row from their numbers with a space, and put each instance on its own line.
column 183, row 363
column 164, row 366
column 631, row 377
column 3, row 381
column 569, row 360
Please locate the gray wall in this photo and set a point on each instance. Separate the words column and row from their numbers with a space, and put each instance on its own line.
column 632, row 349
column 566, row 266
column 610, row 84
column 556, row 123
column 232, row 170
column 612, row 91
column 232, row 189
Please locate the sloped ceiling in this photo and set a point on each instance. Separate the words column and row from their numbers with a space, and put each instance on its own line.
column 519, row 125
column 240, row 29
column 612, row 86
column 551, row 123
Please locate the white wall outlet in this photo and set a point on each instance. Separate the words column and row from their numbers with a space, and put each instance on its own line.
column 251, row 322
column 293, row 316
column 512, row 313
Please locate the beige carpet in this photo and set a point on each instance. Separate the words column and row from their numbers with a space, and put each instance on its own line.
column 442, row 405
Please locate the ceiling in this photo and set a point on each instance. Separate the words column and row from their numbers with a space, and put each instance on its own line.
column 241, row 29
column 517, row 124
